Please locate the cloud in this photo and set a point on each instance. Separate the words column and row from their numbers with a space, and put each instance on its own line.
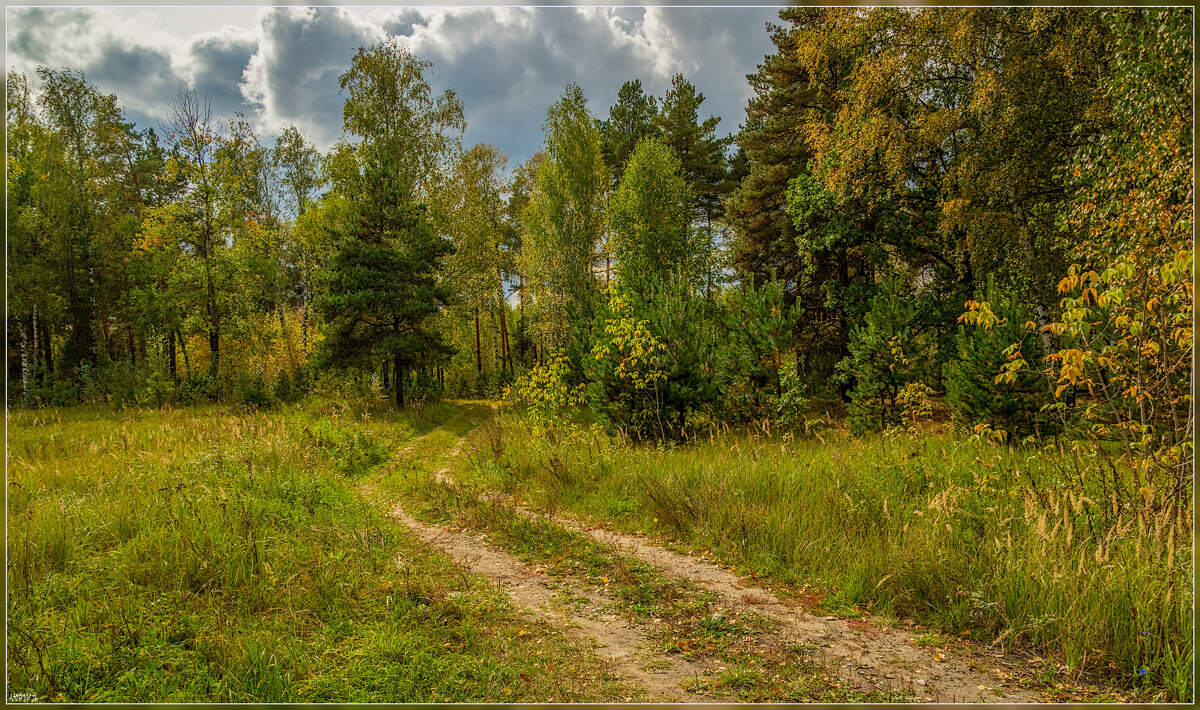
column 510, row 64
column 403, row 24
column 280, row 65
column 142, row 77
column 292, row 77
column 35, row 34
column 715, row 48
column 218, row 61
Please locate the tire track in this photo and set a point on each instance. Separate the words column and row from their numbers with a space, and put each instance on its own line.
column 622, row 646
column 869, row 657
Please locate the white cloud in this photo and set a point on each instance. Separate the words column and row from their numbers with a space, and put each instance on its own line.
column 280, row 65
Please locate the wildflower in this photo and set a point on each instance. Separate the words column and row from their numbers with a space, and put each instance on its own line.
column 1143, row 671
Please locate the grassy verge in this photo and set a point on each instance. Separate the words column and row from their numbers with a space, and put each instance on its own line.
column 227, row 555
column 1009, row 545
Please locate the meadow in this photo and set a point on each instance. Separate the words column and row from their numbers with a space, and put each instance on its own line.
column 1034, row 548
column 218, row 554
column 231, row 554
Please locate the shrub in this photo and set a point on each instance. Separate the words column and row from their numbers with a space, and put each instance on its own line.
column 997, row 333
column 887, row 352
column 624, row 371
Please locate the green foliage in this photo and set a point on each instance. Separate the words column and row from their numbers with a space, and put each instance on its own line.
column 380, row 291
column 758, row 326
column 887, row 352
column 630, row 120
column 650, row 218
column 624, row 371
column 548, row 398
column 701, row 154
column 1126, row 328
column 563, row 221
column 381, row 288
column 993, row 378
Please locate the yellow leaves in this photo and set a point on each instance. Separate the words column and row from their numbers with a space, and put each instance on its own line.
column 980, row 314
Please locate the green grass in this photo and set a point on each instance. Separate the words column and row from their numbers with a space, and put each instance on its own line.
column 677, row 616
column 1016, row 545
column 210, row 554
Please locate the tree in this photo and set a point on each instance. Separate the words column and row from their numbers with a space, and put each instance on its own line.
column 630, row 120
column 381, row 288
column 28, row 267
column 390, row 106
column 701, row 153
column 887, row 354
column 1126, row 327
column 563, row 221
column 773, row 149
column 476, row 221
column 205, row 216
column 950, row 131
column 380, row 291
column 650, row 218
column 84, row 201
column 299, row 165
column 988, row 380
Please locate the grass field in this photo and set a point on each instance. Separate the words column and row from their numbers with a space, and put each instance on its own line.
column 215, row 555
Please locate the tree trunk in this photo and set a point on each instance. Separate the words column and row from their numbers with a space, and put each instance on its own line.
column 504, row 354
column 214, row 352
column 47, row 352
column 187, row 365
column 214, row 320
column 495, row 344
column 385, row 375
column 304, row 302
column 478, row 354
column 171, row 367
column 504, row 337
column 399, row 381
column 132, row 350
column 778, row 380
column 24, row 361
column 1043, row 315
column 35, row 341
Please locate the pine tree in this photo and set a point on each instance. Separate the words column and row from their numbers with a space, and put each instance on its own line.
column 380, row 288
column 887, row 352
column 974, row 389
column 630, row 120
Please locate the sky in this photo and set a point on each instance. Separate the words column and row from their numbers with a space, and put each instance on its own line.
column 279, row 65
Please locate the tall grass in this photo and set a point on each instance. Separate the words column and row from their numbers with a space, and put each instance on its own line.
column 224, row 555
column 1017, row 546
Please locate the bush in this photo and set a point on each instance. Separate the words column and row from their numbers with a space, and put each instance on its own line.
column 624, row 371
column 887, row 352
column 996, row 331
column 757, row 331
